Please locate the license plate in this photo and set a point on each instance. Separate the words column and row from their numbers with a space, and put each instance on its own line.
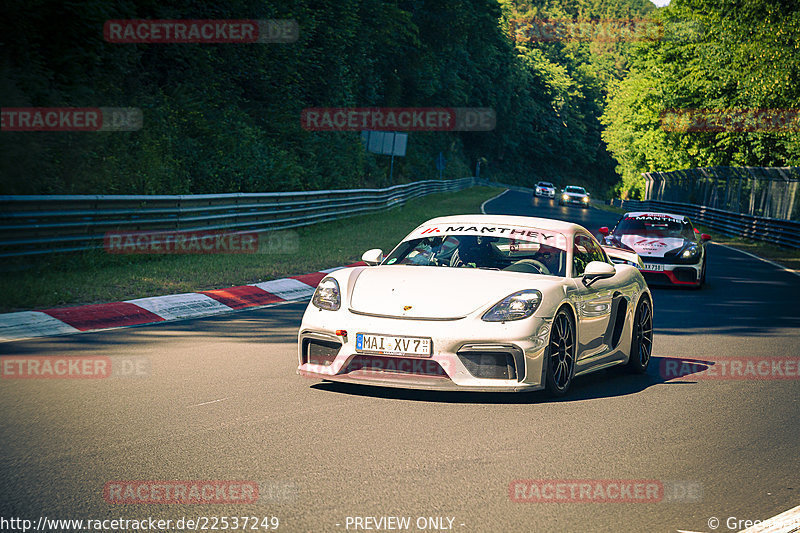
column 393, row 345
column 654, row 267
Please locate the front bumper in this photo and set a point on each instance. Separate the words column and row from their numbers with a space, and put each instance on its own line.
column 672, row 274
column 466, row 356
column 574, row 201
column 546, row 194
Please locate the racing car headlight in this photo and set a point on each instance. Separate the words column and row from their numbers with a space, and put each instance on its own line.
column 585, row 199
column 327, row 295
column 691, row 251
column 564, row 197
column 515, row 306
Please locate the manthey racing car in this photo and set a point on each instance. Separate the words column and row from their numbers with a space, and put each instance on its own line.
column 673, row 252
column 480, row 303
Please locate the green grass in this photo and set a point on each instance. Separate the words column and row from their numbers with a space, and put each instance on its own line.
column 609, row 208
column 95, row 277
column 788, row 257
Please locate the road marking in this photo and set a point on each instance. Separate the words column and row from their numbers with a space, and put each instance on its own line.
column 206, row 403
column 288, row 289
column 177, row 306
column 483, row 205
column 29, row 324
column 773, row 263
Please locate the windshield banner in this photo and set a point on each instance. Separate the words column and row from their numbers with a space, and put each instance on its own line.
column 513, row 233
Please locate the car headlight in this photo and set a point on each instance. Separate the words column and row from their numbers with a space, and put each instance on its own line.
column 691, row 251
column 515, row 306
column 585, row 199
column 327, row 295
column 564, row 197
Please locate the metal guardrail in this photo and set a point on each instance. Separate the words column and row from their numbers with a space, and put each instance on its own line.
column 772, row 230
column 32, row 225
column 758, row 191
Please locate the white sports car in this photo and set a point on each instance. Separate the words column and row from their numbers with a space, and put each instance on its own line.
column 479, row 303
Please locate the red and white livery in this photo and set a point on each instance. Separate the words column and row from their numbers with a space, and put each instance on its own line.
column 673, row 252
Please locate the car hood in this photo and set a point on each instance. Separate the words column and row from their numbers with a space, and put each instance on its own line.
column 652, row 246
column 575, row 194
column 436, row 292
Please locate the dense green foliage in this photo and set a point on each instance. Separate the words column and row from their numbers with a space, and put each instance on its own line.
column 717, row 55
column 225, row 117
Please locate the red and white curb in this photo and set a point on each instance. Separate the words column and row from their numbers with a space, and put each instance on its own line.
column 69, row 320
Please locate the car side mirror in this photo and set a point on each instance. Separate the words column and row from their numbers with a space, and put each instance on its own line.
column 372, row 257
column 604, row 231
column 705, row 237
column 598, row 270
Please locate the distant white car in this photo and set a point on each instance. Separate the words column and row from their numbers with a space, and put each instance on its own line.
column 480, row 303
column 574, row 195
column 545, row 189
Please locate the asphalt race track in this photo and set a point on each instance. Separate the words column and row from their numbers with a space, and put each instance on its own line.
column 218, row 399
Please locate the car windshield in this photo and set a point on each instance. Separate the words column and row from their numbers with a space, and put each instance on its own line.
column 545, row 184
column 471, row 251
column 655, row 227
column 579, row 190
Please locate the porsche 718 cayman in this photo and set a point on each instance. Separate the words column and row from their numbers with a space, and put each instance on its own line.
column 480, row 303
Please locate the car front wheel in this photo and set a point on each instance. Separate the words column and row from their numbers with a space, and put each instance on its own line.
column 560, row 355
column 642, row 338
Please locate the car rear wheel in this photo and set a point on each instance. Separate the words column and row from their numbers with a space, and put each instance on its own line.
column 642, row 341
column 560, row 355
